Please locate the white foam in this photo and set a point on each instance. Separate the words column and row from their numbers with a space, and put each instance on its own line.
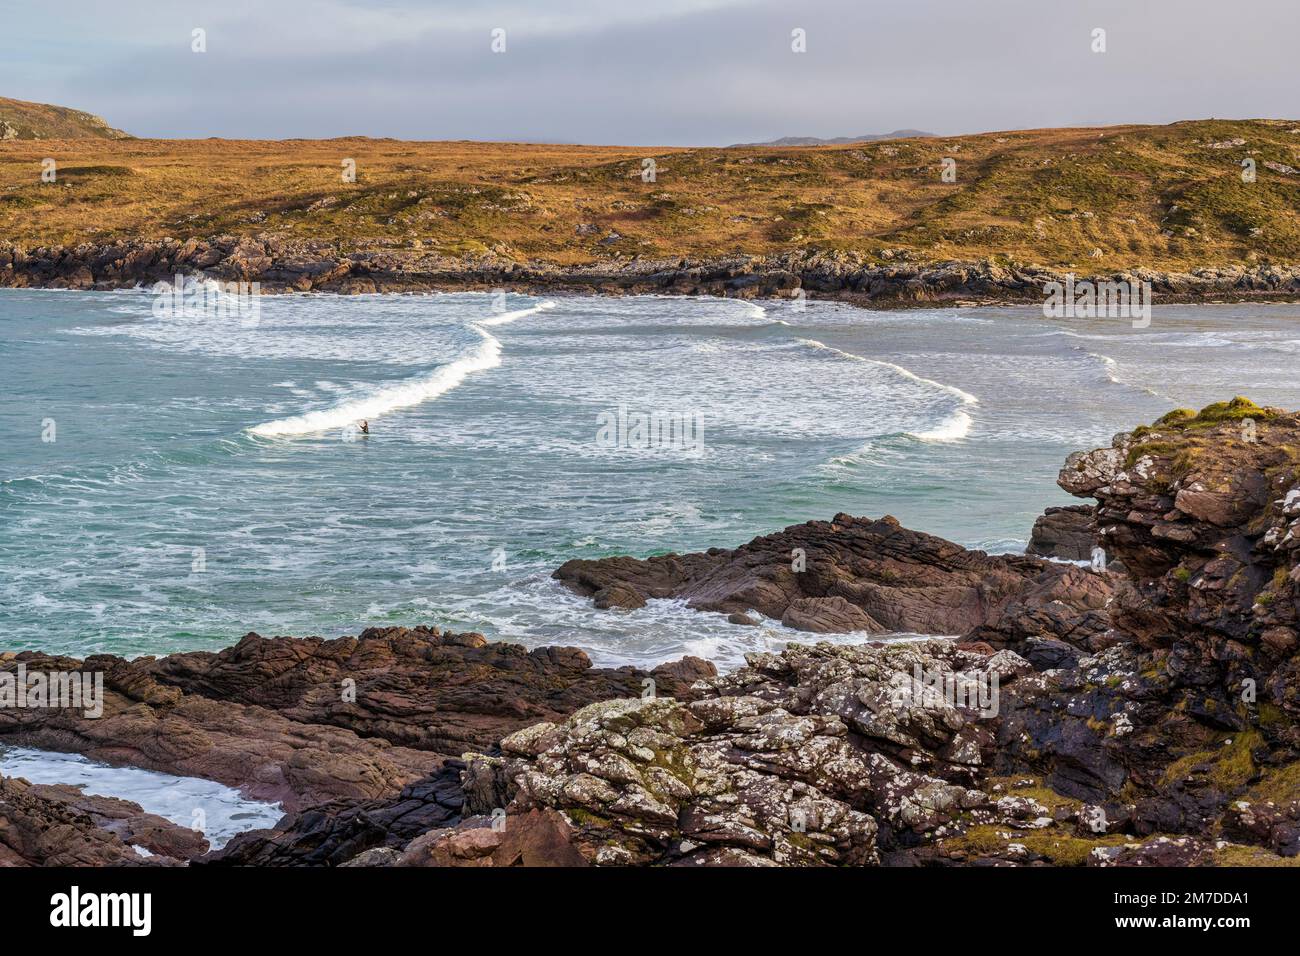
column 853, row 459
column 966, row 397
column 1112, row 372
column 225, row 812
column 954, row 427
column 393, row 397
column 506, row 318
column 907, row 373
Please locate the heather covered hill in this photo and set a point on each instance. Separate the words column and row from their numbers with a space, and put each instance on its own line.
column 1097, row 200
column 20, row 120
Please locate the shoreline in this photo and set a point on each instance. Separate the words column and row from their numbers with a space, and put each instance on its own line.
column 280, row 266
column 1109, row 727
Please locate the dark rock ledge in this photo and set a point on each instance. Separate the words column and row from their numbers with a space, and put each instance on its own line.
column 297, row 265
column 859, row 574
column 1144, row 718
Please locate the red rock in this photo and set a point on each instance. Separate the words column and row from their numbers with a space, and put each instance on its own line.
column 534, row 838
column 274, row 718
column 44, row 827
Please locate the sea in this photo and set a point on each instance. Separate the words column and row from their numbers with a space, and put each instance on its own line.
column 172, row 479
column 171, row 482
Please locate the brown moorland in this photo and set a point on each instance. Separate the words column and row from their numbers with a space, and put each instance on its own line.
column 1163, row 197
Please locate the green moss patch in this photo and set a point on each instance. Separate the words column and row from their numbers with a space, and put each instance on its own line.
column 1237, row 855
column 1229, row 768
column 1058, row 847
column 1034, row 789
column 1280, row 785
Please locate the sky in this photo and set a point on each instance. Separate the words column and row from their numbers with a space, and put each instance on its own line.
column 648, row 72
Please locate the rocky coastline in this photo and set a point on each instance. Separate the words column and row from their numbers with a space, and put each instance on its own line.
column 1056, row 714
column 282, row 265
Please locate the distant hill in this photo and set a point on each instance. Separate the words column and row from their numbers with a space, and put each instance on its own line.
column 23, row 120
column 838, row 140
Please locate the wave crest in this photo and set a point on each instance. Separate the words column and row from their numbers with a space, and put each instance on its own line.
column 393, row 397
column 954, row 427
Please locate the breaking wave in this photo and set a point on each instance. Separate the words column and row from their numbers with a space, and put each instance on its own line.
column 953, row 427
column 390, row 398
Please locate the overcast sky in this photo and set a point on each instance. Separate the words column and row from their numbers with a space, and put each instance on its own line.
column 648, row 72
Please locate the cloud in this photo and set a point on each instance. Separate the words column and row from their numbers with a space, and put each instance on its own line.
column 655, row 72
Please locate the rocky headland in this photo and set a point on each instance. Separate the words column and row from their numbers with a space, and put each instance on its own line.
column 869, row 221
column 1046, row 713
column 283, row 265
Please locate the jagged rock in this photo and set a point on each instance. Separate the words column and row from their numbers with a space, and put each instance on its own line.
column 1199, row 514
column 152, row 833
column 1162, row 851
column 304, row 720
column 535, row 838
column 377, row 856
column 417, row 687
column 849, row 574
column 819, row 755
column 337, row 832
column 44, row 826
column 1064, row 532
column 251, row 748
column 1190, row 702
column 1265, row 823
column 828, row 615
column 1066, row 608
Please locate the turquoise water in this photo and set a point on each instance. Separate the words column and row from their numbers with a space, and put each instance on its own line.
column 204, row 481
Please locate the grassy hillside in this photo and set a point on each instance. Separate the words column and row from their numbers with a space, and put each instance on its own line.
column 1095, row 199
column 23, row 120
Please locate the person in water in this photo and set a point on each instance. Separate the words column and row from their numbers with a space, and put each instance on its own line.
column 365, row 427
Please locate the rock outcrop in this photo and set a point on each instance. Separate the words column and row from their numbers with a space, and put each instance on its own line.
column 302, row 720
column 421, row 688
column 341, row 830
column 858, row 574
column 353, row 736
column 21, row 120
column 152, row 834
column 1065, row 532
column 60, row 826
column 818, row 755
column 1188, row 718
column 262, row 753
column 534, row 838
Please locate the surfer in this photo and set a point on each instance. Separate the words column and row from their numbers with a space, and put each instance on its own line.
column 365, row 427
